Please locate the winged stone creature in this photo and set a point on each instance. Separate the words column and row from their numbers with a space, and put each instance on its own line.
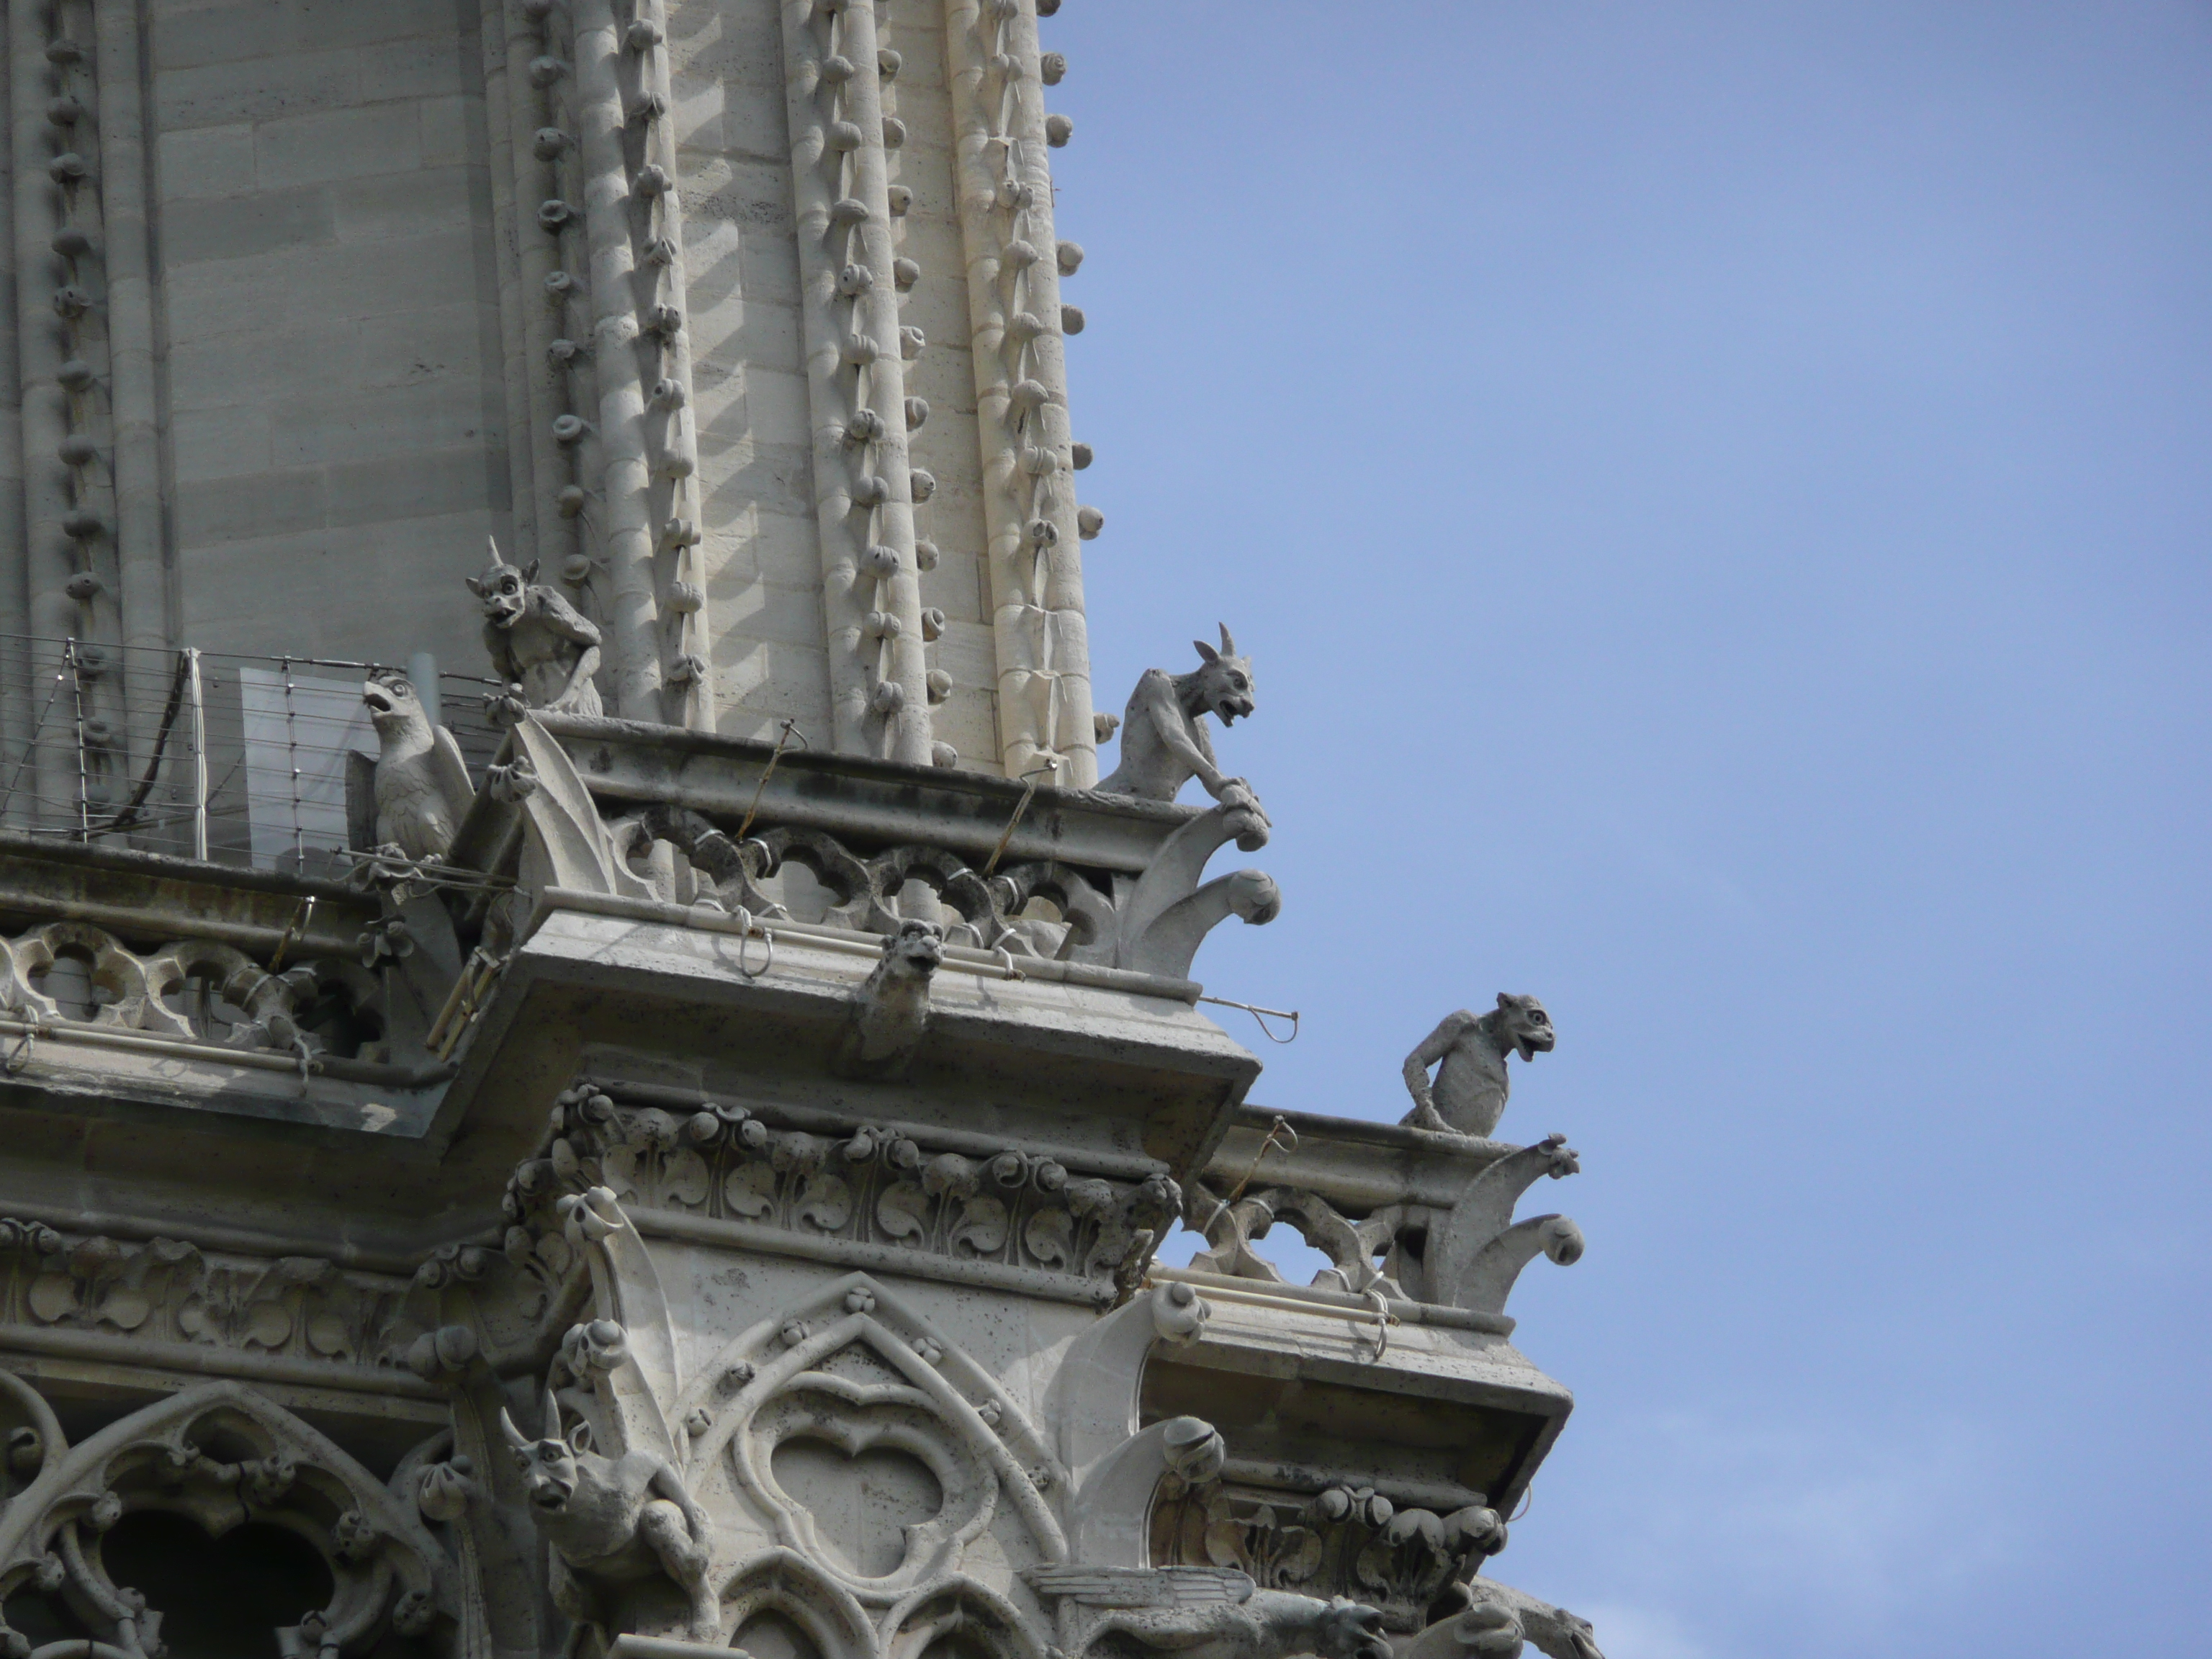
column 541, row 645
column 1204, row 1612
column 422, row 790
column 613, row 1522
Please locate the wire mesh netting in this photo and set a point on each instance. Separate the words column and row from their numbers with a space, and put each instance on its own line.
column 265, row 762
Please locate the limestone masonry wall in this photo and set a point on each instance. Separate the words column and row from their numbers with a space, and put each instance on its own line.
column 336, row 419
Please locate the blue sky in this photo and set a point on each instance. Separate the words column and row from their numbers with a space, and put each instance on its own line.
column 1717, row 496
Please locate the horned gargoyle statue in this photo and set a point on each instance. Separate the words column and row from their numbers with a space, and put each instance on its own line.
column 542, row 647
column 1164, row 738
column 611, row 1522
column 1469, row 1095
column 1204, row 1612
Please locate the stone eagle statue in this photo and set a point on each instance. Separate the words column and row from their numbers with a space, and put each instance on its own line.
column 421, row 790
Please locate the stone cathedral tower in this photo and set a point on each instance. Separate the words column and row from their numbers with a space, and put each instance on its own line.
column 619, row 1099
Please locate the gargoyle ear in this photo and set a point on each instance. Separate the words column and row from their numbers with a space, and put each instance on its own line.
column 1205, row 651
column 1506, row 1000
column 474, row 586
column 530, row 571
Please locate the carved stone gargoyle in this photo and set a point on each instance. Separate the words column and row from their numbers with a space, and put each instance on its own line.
column 413, row 794
column 543, row 649
column 1164, row 738
column 889, row 1014
column 1469, row 1052
column 1204, row 1613
column 613, row 1522
column 1497, row 1620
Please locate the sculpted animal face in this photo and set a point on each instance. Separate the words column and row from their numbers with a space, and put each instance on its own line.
column 501, row 588
column 1224, row 679
column 549, row 1468
column 393, row 703
column 1347, row 1629
column 1521, row 1023
column 549, row 1474
column 916, row 950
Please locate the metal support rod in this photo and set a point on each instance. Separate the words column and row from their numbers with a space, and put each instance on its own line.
column 199, row 754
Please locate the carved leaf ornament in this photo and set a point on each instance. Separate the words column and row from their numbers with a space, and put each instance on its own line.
column 869, row 1184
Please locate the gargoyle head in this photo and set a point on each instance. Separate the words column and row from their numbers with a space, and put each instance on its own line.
column 501, row 587
column 915, row 951
column 1521, row 1023
column 1223, row 682
column 1350, row 1630
column 550, row 1469
column 394, row 706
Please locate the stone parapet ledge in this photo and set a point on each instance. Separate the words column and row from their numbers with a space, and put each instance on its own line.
column 1404, row 1214
column 588, row 805
column 128, row 975
column 971, row 813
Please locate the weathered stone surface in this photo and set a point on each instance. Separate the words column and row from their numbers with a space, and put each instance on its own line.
column 626, row 1187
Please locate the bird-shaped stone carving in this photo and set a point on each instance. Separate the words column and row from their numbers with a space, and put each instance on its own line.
column 423, row 789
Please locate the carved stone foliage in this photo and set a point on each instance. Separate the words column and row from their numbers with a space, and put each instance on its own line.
column 869, row 1184
column 221, row 1454
column 1468, row 1255
column 169, row 1290
column 1338, row 1541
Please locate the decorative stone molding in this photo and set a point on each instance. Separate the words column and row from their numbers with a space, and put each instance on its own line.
column 996, row 79
column 1450, row 1239
column 600, row 286
column 871, row 1185
column 389, row 1572
column 168, row 1292
column 247, row 1007
column 1216, row 1613
column 83, row 347
column 1153, row 924
column 854, row 1363
column 865, row 487
column 1336, row 1541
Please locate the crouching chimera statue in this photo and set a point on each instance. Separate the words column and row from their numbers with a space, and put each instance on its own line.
column 613, row 1521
